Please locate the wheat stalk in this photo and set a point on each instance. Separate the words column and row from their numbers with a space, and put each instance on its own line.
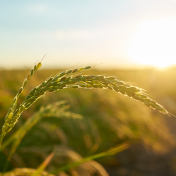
column 73, row 79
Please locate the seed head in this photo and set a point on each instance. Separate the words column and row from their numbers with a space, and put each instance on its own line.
column 32, row 92
column 49, row 80
column 134, row 89
column 88, row 67
column 111, row 78
column 119, row 82
column 29, row 76
column 75, row 70
column 62, row 74
column 100, row 77
column 74, row 86
column 38, row 65
column 80, row 69
column 32, row 72
column 63, row 78
column 69, row 71
column 35, row 68
column 21, row 89
column 24, row 83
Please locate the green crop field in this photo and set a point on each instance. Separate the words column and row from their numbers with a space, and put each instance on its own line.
column 67, row 127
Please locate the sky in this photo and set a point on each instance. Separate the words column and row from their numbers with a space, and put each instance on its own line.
column 109, row 34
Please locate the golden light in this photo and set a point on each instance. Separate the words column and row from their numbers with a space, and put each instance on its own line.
column 155, row 43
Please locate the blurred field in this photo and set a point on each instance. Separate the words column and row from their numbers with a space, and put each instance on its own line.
column 109, row 119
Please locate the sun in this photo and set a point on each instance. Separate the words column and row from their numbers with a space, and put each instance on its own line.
column 154, row 43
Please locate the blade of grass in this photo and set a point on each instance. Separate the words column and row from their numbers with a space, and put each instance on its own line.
column 44, row 164
column 112, row 151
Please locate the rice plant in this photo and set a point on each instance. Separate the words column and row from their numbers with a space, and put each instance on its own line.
column 72, row 78
column 56, row 110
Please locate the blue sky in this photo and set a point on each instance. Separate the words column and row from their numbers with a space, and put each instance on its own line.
column 73, row 31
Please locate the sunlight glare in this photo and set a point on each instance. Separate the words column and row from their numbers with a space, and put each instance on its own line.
column 155, row 43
